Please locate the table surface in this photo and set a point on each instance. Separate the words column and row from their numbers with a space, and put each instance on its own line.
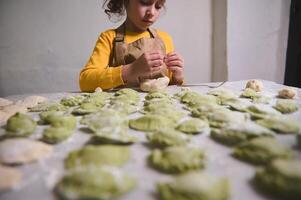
column 39, row 178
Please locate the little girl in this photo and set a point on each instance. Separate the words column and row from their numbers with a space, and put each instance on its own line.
column 133, row 51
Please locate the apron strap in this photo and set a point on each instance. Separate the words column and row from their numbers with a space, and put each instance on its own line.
column 153, row 33
column 118, row 47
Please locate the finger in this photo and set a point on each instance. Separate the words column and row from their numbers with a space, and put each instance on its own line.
column 155, row 53
column 175, row 69
column 154, row 69
column 175, row 63
column 156, row 63
column 173, row 58
column 173, row 54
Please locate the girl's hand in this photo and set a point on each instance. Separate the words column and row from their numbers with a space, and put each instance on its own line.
column 175, row 63
column 147, row 65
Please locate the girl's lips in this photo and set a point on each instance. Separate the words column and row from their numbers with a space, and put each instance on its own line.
column 147, row 21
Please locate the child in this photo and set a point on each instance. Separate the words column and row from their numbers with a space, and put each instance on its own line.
column 123, row 56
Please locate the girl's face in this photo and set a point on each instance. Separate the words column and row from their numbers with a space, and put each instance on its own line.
column 141, row 14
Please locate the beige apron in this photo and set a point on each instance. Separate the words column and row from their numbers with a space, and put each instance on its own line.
column 124, row 54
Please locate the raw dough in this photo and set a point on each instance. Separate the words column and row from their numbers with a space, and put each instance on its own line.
column 255, row 85
column 19, row 151
column 150, row 85
column 288, row 93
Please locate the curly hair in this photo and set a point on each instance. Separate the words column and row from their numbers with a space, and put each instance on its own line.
column 115, row 7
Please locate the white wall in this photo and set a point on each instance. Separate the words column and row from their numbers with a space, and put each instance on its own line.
column 44, row 44
column 190, row 24
column 257, row 39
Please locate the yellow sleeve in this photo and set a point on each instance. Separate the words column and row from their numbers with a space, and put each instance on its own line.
column 97, row 73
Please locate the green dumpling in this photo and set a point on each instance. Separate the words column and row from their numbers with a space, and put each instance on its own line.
column 48, row 106
column 47, row 116
column 195, row 186
column 286, row 106
column 250, row 93
column 236, row 104
column 194, row 100
column 123, row 107
column 151, row 123
column 262, row 99
column 68, row 122
column 161, row 101
column 260, row 111
column 97, row 98
column 262, row 150
column 223, row 93
column 280, row 124
column 221, row 118
column 120, row 138
column 90, row 156
column 193, row 126
column 181, row 93
column 171, row 113
column 168, row 137
column 106, row 122
column 177, row 159
column 72, row 100
column 157, row 95
column 55, row 135
column 237, row 133
column 158, row 105
column 127, row 95
column 282, row 178
column 205, row 110
column 86, row 108
column 20, row 125
column 94, row 183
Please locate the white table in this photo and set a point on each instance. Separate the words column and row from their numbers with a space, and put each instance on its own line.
column 40, row 177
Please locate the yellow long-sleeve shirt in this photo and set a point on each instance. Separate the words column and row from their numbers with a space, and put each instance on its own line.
column 97, row 73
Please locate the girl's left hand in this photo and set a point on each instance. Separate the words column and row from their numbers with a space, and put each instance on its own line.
column 175, row 63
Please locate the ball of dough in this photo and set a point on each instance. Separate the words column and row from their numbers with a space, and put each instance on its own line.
column 151, row 85
column 255, row 85
column 288, row 93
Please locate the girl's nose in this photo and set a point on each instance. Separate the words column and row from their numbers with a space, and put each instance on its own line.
column 150, row 11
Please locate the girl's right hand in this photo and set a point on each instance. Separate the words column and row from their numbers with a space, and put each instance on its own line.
column 147, row 65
